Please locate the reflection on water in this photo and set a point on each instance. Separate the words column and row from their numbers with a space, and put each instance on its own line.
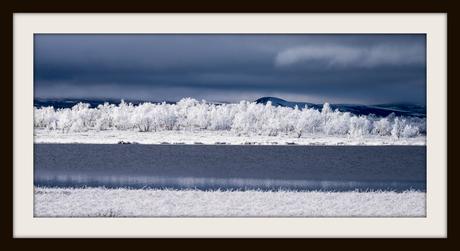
column 231, row 167
column 115, row 181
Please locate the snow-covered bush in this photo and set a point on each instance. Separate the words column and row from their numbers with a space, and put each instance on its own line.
column 244, row 118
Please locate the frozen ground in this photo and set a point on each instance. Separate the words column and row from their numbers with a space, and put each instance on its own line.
column 102, row 202
column 213, row 137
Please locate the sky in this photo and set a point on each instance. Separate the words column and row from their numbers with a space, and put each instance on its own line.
column 335, row 68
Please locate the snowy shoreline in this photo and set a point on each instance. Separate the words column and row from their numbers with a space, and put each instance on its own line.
column 122, row 202
column 211, row 138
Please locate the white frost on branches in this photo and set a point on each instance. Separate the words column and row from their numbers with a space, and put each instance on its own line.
column 244, row 118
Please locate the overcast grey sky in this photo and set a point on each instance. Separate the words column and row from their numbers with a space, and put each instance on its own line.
column 367, row 69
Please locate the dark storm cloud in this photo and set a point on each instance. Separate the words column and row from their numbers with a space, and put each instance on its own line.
column 315, row 68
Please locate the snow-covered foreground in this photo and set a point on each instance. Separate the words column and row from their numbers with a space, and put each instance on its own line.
column 212, row 137
column 102, row 202
column 191, row 121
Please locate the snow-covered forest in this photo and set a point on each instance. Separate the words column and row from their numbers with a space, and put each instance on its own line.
column 244, row 118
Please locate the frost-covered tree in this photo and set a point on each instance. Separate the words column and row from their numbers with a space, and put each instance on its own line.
column 244, row 118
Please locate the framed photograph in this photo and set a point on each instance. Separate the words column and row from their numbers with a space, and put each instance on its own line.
column 230, row 125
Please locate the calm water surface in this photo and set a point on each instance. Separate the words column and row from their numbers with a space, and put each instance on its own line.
column 231, row 166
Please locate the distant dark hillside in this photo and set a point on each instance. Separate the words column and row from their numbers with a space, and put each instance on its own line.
column 68, row 103
column 399, row 109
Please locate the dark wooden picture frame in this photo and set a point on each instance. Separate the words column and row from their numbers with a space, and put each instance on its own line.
column 8, row 9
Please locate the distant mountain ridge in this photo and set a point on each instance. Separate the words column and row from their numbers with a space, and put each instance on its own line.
column 68, row 103
column 399, row 109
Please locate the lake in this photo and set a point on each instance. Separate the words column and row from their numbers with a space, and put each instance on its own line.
column 335, row 168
